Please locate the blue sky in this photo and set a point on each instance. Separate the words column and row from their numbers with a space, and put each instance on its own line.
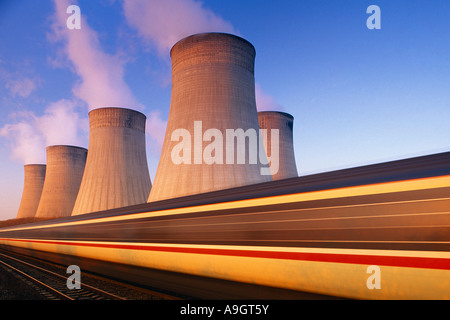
column 358, row 96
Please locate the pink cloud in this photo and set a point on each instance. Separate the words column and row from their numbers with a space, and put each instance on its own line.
column 62, row 124
column 101, row 75
column 30, row 134
column 23, row 87
column 27, row 145
column 264, row 101
column 165, row 22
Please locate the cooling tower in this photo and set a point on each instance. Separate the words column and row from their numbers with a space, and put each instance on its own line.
column 283, row 149
column 65, row 166
column 213, row 96
column 32, row 190
column 116, row 173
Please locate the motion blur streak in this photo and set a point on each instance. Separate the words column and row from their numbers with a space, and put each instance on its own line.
column 316, row 234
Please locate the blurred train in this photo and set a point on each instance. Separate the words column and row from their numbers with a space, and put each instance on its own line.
column 372, row 232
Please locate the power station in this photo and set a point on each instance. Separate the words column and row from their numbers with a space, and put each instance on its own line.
column 65, row 166
column 283, row 163
column 212, row 142
column 220, row 223
column 116, row 173
column 213, row 92
column 32, row 190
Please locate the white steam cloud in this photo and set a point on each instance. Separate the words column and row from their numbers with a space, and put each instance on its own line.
column 21, row 87
column 265, row 102
column 101, row 75
column 62, row 124
column 166, row 22
column 25, row 142
column 31, row 134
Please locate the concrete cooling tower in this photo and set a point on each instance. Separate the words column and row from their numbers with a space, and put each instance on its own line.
column 284, row 151
column 212, row 107
column 32, row 190
column 65, row 166
column 116, row 173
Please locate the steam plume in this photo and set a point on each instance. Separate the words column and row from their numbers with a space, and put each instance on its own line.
column 101, row 74
column 30, row 134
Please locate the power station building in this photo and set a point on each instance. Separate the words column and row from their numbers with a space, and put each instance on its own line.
column 116, row 173
column 212, row 142
column 32, row 190
column 284, row 123
column 65, row 166
column 212, row 108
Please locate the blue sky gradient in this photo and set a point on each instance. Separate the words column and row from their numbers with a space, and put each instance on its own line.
column 358, row 96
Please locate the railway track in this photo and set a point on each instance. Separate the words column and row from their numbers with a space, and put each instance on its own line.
column 49, row 281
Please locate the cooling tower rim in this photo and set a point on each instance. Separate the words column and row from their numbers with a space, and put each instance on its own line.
column 35, row 165
column 65, row 146
column 120, row 108
column 202, row 34
column 285, row 114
